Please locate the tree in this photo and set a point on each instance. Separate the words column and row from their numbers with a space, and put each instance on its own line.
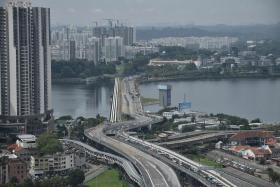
column 256, row 121
column 274, row 176
column 65, row 118
column 76, row 177
column 14, row 180
column 67, row 72
column 28, row 182
column 49, row 144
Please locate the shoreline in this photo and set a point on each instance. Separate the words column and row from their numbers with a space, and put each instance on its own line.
column 213, row 78
column 143, row 79
column 86, row 81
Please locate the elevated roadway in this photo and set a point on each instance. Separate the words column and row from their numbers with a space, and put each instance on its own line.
column 154, row 172
column 197, row 139
column 125, row 164
column 149, row 158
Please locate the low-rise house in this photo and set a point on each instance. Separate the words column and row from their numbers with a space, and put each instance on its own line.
column 57, row 164
column 24, row 154
column 254, row 138
column 12, row 167
column 26, row 141
column 252, row 153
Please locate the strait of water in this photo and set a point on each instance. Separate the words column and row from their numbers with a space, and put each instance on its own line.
column 245, row 98
column 253, row 98
column 81, row 100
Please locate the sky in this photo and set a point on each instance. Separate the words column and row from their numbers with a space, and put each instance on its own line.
column 164, row 12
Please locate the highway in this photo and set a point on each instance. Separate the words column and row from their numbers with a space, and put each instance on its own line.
column 155, row 173
column 149, row 158
column 125, row 164
column 199, row 138
column 243, row 179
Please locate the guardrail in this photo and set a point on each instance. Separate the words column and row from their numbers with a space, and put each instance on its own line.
column 210, row 175
column 141, row 120
column 125, row 164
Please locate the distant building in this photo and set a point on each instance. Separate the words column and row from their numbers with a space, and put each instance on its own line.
column 72, row 50
column 93, row 50
column 127, row 33
column 185, row 107
column 27, row 141
column 58, row 163
column 253, row 153
column 164, row 95
column 132, row 51
column 196, row 42
column 169, row 115
column 12, row 167
column 253, row 138
column 159, row 62
column 113, row 49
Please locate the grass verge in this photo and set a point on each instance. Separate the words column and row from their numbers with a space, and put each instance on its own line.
column 110, row 178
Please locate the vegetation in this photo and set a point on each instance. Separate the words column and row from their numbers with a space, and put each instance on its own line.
column 188, row 128
column 183, row 53
column 65, row 118
column 204, row 160
column 251, row 32
column 274, row 176
column 80, row 69
column 232, row 120
column 108, row 179
column 149, row 101
column 256, row 121
column 49, row 144
column 136, row 66
column 75, row 179
column 77, row 132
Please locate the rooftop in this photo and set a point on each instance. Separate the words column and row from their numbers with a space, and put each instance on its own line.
column 27, row 137
column 251, row 134
column 15, row 3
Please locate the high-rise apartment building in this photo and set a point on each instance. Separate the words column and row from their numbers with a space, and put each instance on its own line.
column 72, row 50
column 113, row 48
column 164, row 95
column 25, row 64
column 93, row 50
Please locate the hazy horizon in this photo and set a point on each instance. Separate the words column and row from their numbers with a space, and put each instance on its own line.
column 164, row 12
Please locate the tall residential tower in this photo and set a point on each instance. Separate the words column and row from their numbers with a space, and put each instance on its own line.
column 25, row 65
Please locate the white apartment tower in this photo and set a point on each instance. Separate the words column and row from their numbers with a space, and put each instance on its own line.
column 25, row 60
column 113, row 48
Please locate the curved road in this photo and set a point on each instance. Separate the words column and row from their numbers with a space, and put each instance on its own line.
column 154, row 172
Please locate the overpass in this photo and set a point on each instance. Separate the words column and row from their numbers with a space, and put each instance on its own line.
column 150, row 157
column 123, row 163
column 198, row 139
column 154, row 172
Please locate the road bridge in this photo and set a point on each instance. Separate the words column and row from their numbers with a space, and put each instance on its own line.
column 123, row 163
column 198, row 139
column 153, row 168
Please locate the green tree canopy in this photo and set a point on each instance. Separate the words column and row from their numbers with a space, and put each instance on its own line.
column 49, row 144
column 76, row 177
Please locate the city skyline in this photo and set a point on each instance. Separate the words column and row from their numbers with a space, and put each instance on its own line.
column 160, row 13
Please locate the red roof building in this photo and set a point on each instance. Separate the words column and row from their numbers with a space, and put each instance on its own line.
column 253, row 138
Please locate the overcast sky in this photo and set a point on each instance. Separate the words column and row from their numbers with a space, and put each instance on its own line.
column 171, row 12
